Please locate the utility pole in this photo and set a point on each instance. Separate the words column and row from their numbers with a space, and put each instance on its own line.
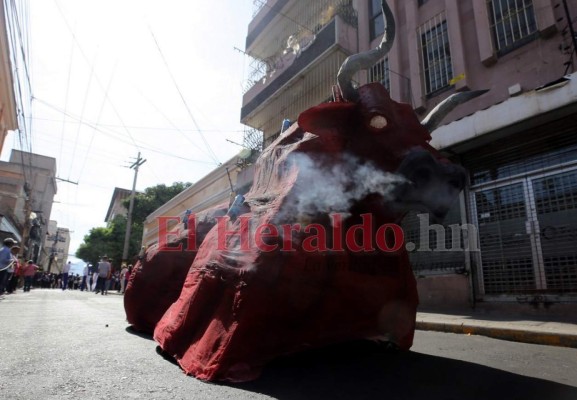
column 139, row 161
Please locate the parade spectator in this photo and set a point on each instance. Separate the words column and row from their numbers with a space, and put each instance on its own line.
column 123, row 278
column 6, row 262
column 13, row 281
column 84, row 278
column 28, row 272
column 104, row 272
column 94, row 280
column 65, row 272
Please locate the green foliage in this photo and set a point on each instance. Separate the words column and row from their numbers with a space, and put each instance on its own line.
column 109, row 240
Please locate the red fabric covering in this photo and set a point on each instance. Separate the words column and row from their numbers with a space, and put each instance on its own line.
column 157, row 279
column 240, row 308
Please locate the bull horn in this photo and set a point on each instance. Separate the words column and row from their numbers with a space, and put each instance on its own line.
column 437, row 114
column 367, row 59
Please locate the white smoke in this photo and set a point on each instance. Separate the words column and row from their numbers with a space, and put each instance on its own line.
column 326, row 187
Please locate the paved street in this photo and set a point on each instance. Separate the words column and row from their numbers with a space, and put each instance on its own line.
column 72, row 345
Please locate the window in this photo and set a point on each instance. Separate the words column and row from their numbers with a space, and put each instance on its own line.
column 512, row 23
column 436, row 54
column 380, row 73
column 377, row 23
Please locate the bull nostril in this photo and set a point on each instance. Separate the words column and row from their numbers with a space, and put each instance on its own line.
column 378, row 122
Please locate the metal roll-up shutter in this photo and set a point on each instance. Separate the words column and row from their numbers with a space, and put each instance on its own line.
column 523, row 200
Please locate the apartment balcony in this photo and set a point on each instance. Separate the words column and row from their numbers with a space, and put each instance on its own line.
column 288, row 67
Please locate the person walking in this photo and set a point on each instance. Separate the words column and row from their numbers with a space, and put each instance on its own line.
column 84, row 278
column 123, row 272
column 14, row 269
column 6, row 262
column 65, row 272
column 104, row 269
column 28, row 272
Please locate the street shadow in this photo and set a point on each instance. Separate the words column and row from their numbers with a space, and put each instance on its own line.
column 130, row 329
column 365, row 370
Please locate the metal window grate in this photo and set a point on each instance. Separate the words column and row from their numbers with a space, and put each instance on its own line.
column 380, row 73
column 435, row 53
column 524, row 203
column 556, row 208
column 376, row 23
column 512, row 23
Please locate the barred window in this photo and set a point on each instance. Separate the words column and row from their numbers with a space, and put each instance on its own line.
column 380, row 73
column 512, row 23
column 436, row 54
column 377, row 23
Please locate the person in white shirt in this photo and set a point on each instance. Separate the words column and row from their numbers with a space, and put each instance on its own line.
column 65, row 271
column 83, row 286
column 104, row 271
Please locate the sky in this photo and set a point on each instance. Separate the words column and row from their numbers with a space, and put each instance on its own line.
column 111, row 78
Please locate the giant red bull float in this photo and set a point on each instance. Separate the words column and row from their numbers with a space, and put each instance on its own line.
column 313, row 254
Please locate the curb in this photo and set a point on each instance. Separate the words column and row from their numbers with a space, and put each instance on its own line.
column 513, row 335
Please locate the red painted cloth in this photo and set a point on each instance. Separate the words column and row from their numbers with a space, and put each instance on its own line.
column 238, row 308
column 157, row 279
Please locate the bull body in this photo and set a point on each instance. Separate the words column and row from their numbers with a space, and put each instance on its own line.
column 236, row 304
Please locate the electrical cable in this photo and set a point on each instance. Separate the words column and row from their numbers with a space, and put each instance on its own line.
column 213, row 155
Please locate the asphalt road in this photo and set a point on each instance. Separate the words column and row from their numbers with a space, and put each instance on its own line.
column 72, row 345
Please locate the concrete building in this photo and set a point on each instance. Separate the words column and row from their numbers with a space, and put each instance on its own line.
column 27, row 189
column 116, row 207
column 518, row 141
column 55, row 248
column 213, row 189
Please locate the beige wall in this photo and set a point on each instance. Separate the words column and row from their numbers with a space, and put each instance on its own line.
column 211, row 190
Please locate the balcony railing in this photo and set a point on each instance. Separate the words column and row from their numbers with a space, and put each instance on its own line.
column 296, row 31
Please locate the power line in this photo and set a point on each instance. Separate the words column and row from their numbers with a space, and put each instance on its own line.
column 66, row 96
column 112, row 74
column 170, row 122
column 117, row 138
column 213, row 155
column 96, row 76
column 82, row 112
column 153, row 128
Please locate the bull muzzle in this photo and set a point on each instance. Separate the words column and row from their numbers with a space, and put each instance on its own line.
column 431, row 186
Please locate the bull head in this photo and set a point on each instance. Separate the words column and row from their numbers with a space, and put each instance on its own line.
column 432, row 182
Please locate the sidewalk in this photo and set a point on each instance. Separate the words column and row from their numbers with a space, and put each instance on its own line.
column 505, row 328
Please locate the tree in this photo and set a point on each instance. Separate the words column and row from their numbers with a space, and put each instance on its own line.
column 149, row 201
column 109, row 240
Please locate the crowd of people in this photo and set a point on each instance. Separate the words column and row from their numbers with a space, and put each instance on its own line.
column 16, row 274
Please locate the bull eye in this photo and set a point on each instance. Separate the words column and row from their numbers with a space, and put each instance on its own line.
column 378, row 122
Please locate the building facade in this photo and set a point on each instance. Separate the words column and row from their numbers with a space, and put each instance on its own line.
column 116, row 206
column 27, row 190
column 518, row 141
column 55, row 248
column 8, row 118
column 215, row 188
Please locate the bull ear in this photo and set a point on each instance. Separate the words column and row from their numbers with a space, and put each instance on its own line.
column 437, row 114
column 327, row 117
